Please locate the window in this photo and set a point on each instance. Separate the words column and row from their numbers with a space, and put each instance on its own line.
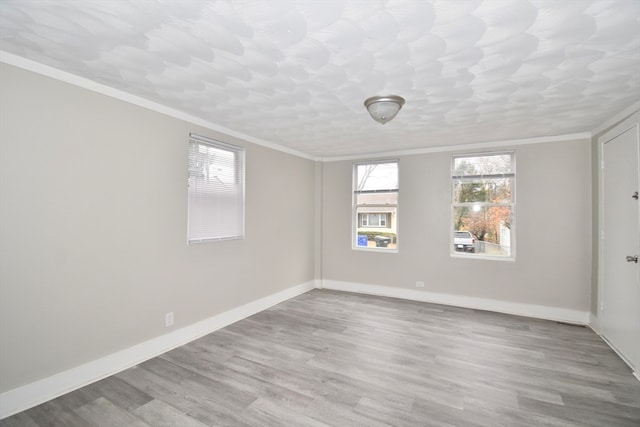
column 374, row 220
column 216, row 190
column 375, row 205
column 483, row 193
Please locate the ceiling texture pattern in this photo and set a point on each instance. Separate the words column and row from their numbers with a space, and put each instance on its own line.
column 295, row 73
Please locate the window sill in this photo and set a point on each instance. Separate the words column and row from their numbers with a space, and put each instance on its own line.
column 213, row 239
column 379, row 250
column 509, row 258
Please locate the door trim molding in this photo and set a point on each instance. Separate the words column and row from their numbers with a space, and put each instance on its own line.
column 623, row 126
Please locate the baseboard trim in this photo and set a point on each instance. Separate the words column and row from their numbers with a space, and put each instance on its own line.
column 519, row 309
column 594, row 323
column 596, row 328
column 33, row 394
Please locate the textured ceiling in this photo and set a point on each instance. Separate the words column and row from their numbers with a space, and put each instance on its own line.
column 296, row 72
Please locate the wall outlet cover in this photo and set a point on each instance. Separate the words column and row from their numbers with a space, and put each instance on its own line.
column 168, row 319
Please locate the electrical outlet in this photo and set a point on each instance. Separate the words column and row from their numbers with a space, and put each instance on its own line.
column 419, row 284
column 168, row 319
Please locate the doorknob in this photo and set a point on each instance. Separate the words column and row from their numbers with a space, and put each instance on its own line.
column 635, row 195
column 632, row 258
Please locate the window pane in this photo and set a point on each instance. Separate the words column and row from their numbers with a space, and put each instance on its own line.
column 375, row 205
column 496, row 190
column 377, row 176
column 491, row 226
column 376, row 199
column 216, row 190
column 377, row 230
column 491, row 164
column 482, row 203
column 219, row 165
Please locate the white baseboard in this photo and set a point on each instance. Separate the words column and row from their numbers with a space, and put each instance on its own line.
column 30, row 395
column 519, row 309
column 597, row 328
column 594, row 323
column 27, row 396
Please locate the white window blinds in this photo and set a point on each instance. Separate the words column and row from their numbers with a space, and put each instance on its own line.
column 216, row 190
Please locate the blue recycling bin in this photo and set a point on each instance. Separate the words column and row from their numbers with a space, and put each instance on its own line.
column 362, row 240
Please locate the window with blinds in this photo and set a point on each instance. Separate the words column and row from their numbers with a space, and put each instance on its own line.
column 216, row 190
column 375, row 205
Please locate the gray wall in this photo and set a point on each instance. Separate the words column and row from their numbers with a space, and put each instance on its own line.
column 553, row 231
column 93, row 215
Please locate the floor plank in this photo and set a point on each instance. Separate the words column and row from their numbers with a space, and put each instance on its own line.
column 102, row 412
column 330, row 358
column 159, row 414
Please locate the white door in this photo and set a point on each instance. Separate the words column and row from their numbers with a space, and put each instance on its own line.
column 620, row 308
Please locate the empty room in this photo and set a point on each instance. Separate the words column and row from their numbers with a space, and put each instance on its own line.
column 319, row 213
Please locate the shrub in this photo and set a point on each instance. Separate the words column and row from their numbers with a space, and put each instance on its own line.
column 372, row 234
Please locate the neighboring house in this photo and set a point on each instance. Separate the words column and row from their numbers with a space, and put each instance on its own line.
column 378, row 213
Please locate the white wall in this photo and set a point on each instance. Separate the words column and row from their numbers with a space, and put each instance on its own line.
column 553, row 233
column 93, row 215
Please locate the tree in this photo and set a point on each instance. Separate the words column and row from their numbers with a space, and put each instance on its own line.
column 485, row 223
column 479, row 195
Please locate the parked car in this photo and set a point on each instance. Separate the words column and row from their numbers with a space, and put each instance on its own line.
column 464, row 241
column 382, row 241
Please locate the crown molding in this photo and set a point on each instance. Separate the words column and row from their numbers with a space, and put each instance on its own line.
column 464, row 147
column 617, row 118
column 54, row 73
column 48, row 71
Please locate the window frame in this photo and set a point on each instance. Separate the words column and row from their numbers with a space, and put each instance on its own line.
column 487, row 204
column 355, row 224
column 195, row 199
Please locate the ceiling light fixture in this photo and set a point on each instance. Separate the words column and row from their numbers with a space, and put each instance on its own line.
column 384, row 108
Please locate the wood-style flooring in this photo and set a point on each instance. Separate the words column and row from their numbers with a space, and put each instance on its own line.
column 330, row 358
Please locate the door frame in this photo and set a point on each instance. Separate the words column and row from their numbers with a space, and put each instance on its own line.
column 628, row 123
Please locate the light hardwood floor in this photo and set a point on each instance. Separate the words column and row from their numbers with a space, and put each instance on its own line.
column 330, row 358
